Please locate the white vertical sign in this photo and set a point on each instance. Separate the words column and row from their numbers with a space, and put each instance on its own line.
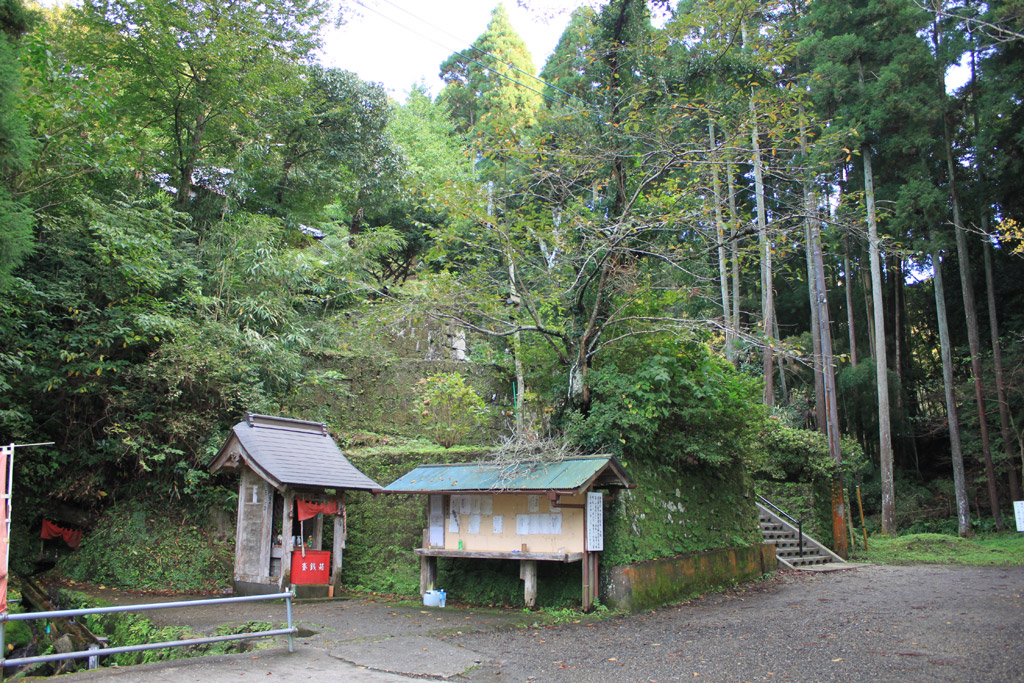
column 595, row 521
column 1018, row 513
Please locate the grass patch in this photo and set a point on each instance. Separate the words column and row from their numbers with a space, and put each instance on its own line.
column 997, row 549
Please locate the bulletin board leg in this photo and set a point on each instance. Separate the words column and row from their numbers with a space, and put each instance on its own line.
column 528, row 570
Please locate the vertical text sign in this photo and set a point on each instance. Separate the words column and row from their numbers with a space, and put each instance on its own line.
column 595, row 521
column 1018, row 513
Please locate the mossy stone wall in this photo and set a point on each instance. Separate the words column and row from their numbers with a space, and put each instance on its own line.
column 686, row 510
column 656, row 582
column 375, row 394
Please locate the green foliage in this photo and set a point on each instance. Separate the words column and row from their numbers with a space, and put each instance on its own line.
column 16, row 145
column 675, row 405
column 449, row 410
column 124, row 629
column 497, row 582
column 1002, row 549
column 142, row 547
column 801, row 455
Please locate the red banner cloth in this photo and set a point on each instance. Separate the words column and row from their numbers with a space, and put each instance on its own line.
column 50, row 530
column 309, row 509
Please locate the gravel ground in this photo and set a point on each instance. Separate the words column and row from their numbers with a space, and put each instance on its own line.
column 881, row 623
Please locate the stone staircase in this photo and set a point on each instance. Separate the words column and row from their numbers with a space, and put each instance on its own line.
column 784, row 534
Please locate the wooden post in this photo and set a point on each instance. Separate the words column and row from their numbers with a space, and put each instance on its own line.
column 594, row 578
column 340, row 536
column 428, row 567
column 586, row 581
column 317, row 533
column 287, row 544
column 862, row 525
column 528, row 573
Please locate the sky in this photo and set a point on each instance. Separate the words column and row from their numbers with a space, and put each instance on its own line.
column 400, row 42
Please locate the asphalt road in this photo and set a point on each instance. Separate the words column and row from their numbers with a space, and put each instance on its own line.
column 875, row 623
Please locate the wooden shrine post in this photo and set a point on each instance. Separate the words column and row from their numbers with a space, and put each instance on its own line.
column 428, row 567
column 338, row 548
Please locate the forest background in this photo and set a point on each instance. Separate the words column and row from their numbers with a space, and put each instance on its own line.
column 727, row 241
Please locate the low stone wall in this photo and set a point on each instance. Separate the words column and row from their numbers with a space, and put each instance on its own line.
column 657, row 582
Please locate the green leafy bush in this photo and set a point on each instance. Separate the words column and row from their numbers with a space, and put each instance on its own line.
column 790, row 453
column 148, row 547
column 682, row 405
column 449, row 410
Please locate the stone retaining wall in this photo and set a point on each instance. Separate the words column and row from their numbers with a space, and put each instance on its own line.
column 657, row 582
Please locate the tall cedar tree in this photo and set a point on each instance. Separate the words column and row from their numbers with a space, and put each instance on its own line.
column 491, row 89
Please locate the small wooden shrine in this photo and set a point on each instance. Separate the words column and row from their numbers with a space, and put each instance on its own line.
column 529, row 511
column 292, row 477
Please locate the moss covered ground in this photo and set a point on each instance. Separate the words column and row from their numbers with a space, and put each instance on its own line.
column 995, row 549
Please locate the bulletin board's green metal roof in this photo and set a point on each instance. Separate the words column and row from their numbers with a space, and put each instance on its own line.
column 567, row 475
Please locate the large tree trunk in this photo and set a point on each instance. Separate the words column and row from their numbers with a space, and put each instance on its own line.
column 734, row 253
column 848, row 279
column 963, row 509
column 828, row 413
column 812, row 293
column 997, row 363
column 973, row 341
column 723, row 275
column 881, row 367
column 966, row 287
column 767, row 289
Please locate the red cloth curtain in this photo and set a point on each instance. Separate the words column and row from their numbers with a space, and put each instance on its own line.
column 50, row 530
column 308, row 509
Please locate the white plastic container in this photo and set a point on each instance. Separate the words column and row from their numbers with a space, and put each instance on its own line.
column 433, row 599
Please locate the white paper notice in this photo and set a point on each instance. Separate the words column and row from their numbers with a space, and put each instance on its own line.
column 453, row 521
column 532, row 503
column 474, row 524
column 595, row 522
column 486, row 505
column 499, row 524
column 466, row 505
column 474, row 505
column 527, row 525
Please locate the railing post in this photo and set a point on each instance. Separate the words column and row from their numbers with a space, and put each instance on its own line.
column 800, row 532
column 3, row 643
column 291, row 633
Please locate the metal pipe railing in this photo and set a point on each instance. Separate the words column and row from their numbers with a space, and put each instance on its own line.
column 290, row 630
column 798, row 522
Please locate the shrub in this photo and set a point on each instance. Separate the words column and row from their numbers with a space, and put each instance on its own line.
column 448, row 409
column 679, row 405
